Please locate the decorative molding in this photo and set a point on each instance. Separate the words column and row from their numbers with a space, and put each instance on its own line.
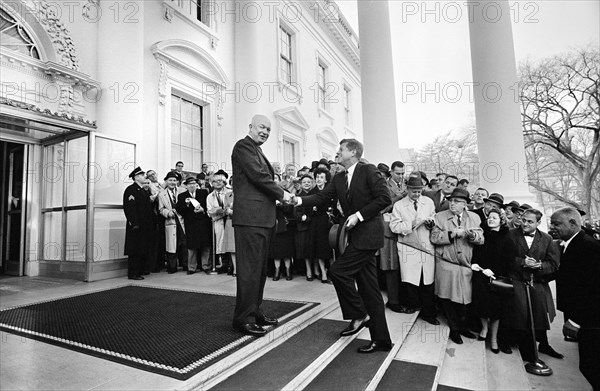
column 172, row 10
column 56, row 30
column 162, row 81
column 47, row 112
column 292, row 118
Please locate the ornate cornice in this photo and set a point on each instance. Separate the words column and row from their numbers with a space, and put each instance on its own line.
column 58, row 33
column 47, row 112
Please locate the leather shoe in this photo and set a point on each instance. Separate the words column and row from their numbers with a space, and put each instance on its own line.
column 408, row 310
column 570, row 339
column 547, row 349
column 190, row 272
column 505, row 349
column 467, row 334
column 137, row 278
column 376, row 346
column 250, row 329
column 480, row 338
column 431, row 320
column 266, row 321
column 394, row 307
column 455, row 337
column 355, row 326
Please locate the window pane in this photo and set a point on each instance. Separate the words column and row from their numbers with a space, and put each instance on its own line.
column 197, row 138
column 109, row 234
column 175, row 132
column 53, row 175
column 175, row 107
column 186, row 135
column 186, row 112
column 76, row 171
column 186, row 156
column 52, row 250
column 115, row 160
column 197, row 159
column 196, row 115
column 176, row 154
column 76, row 229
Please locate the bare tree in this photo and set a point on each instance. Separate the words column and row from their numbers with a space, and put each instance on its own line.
column 561, row 124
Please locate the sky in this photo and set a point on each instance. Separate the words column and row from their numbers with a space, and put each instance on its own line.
column 431, row 53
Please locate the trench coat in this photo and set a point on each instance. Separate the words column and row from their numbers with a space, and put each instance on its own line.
column 453, row 256
column 413, row 262
column 164, row 207
column 222, row 225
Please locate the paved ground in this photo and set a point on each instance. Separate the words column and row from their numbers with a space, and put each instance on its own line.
column 30, row 365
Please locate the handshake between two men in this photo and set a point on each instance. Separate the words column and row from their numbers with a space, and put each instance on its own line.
column 292, row 199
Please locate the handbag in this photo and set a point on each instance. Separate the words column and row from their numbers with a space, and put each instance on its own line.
column 502, row 286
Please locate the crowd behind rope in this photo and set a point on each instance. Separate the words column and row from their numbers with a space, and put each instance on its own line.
column 443, row 246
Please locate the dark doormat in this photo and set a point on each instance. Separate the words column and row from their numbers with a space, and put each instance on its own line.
column 172, row 332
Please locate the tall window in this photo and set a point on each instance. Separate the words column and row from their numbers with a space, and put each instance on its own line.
column 322, row 81
column 285, row 56
column 186, row 133
column 347, row 111
column 289, row 152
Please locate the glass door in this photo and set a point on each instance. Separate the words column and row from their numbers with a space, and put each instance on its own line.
column 13, row 207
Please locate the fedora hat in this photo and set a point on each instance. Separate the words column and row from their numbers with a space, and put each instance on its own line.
column 189, row 180
column 415, row 182
column 172, row 174
column 514, row 206
column 495, row 198
column 460, row 193
column 338, row 238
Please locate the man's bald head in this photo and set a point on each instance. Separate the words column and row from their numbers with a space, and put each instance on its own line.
column 260, row 128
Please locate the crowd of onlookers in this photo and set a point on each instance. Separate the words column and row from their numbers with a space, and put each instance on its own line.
column 443, row 246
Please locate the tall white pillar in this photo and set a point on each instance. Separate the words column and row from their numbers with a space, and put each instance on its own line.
column 497, row 110
column 380, row 125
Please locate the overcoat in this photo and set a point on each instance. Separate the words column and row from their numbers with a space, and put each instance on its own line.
column 453, row 256
column 139, row 215
column 166, row 205
column 223, row 228
column 198, row 226
column 412, row 261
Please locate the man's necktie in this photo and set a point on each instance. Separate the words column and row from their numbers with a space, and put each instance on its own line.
column 415, row 203
column 172, row 196
column 458, row 218
column 347, row 184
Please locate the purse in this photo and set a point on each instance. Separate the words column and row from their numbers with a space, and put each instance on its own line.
column 502, row 286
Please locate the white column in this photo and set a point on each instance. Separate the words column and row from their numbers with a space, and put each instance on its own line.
column 497, row 111
column 380, row 125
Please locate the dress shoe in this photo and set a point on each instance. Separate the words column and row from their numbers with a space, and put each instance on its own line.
column 394, row 307
column 309, row 278
column 266, row 321
column 495, row 351
column 145, row 273
column 172, row 271
column 505, row 349
column 547, row 349
column 289, row 277
column 325, row 282
column 137, row 278
column 276, row 278
column 480, row 338
column 408, row 310
column 376, row 346
column 455, row 337
column 431, row 320
column 250, row 329
column 190, row 272
column 467, row 334
column 207, row 271
column 570, row 339
column 355, row 326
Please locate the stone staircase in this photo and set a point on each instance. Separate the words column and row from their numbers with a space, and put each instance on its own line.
column 308, row 354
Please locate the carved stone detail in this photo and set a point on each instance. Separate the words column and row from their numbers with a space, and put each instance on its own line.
column 59, row 34
column 47, row 112
column 162, row 80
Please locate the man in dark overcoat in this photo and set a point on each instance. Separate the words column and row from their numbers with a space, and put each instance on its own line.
column 191, row 204
column 578, row 289
column 138, row 229
column 533, row 256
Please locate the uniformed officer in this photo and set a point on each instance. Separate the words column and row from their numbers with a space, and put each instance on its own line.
column 138, row 211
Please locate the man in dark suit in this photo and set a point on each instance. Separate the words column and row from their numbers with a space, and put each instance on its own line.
column 362, row 194
column 138, row 230
column 532, row 256
column 578, row 290
column 191, row 204
column 439, row 197
column 254, row 220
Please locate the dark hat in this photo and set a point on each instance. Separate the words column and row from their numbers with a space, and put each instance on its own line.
column 314, row 164
column 415, row 182
column 433, row 181
column 222, row 172
column 526, row 206
column 189, row 180
column 304, row 168
column 325, row 162
column 514, row 206
column 305, row 176
column 460, row 193
column 136, row 171
column 338, row 238
column 496, row 198
column 331, row 162
column 172, row 174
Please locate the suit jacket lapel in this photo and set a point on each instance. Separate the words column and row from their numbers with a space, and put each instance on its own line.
column 522, row 242
column 536, row 242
